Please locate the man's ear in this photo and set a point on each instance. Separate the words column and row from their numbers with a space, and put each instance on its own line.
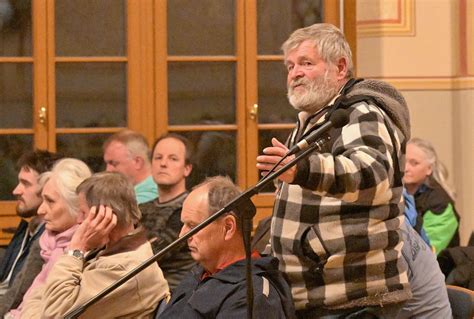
column 230, row 225
column 139, row 162
column 341, row 65
column 188, row 169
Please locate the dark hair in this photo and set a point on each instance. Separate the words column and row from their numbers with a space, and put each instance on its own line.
column 39, row 161
column 221, row 190
column 188, row 160
column 114, row 190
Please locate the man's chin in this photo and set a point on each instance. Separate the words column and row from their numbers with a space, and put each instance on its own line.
column 26, row 213
column 309, row 108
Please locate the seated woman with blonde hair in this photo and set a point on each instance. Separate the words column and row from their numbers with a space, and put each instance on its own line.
column 103, row 249
column 60, row 213
column 425, row 178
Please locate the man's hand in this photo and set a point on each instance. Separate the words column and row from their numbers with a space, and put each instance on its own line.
column 95, row 229
column 272, row 155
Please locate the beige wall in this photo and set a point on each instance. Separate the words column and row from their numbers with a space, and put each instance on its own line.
column 425, row 48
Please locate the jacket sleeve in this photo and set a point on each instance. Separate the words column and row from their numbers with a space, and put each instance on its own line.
column 440, row 227
column 68, row 287
column 359, row 167
column 32, row 307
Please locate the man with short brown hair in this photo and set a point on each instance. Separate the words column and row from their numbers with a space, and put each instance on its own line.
column 170, row 165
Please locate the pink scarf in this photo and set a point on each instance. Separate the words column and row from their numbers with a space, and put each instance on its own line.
column 52, row 247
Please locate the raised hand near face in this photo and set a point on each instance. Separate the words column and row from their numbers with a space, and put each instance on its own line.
column 94, row 231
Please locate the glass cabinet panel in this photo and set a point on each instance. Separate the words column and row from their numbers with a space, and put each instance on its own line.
column 11, row 148
column 204, row 27
column 201, row 93
column 277, row 19
column 15, row 28
column 214, row 154
column 87, row 147
column 90, row 27
column 16, row 95
column 91, row 94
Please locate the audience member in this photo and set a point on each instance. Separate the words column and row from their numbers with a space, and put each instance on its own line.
column 425, row 178
column 216, row 288
column 337, row 215
column 171, row 164
column 60, row 213
column 127, row 152
column 23, row 250
column 103, row 249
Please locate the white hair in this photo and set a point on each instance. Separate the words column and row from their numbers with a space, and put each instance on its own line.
column 67, row 174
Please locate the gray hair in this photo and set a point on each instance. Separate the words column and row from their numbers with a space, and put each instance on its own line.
column 114, row 190
column 66, row 175
column 439, row 170
column 135, row 143
column 328, row 40
column 220, row 191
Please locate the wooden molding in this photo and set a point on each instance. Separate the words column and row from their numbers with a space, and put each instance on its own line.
column 402, row 25
column 432, row 84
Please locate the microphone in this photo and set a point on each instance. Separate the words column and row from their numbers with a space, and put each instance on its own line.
column 338, row 119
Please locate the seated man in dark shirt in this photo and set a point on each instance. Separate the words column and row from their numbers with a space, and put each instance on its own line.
column 170, row 165
column 216, row 288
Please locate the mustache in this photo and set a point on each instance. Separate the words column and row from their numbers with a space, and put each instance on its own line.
column 300, row 81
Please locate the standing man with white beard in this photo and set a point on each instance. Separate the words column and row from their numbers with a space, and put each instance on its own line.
column 337, row 215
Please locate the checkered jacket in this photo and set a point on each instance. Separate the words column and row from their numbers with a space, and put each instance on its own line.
column 336, row 228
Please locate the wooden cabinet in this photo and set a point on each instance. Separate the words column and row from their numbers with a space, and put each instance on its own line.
column 73, row 72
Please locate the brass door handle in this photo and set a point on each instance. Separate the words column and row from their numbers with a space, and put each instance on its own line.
column 42, row 115
column 254, row 112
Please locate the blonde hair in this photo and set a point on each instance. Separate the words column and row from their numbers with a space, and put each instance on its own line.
column 328, row 40
column 439, row 170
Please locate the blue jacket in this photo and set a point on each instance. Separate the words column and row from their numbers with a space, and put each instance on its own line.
column 13, row 250
column 223, row 295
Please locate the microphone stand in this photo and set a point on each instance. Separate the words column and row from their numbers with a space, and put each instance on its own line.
column 241, row 203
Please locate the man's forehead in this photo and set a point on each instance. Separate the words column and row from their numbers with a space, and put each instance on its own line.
column 28, row 173
column 305, row 48
column 197, row 203
column 163, row 146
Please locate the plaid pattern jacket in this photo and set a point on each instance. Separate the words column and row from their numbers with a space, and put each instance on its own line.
column 336, row 228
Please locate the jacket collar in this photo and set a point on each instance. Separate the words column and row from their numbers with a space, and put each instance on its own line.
column 128, row 243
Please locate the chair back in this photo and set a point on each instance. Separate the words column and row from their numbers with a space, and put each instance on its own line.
column 461, row 301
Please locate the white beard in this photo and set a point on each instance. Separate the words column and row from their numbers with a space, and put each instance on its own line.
column 316, row 95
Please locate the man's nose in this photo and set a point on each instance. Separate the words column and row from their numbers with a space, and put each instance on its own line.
column 109, row 168
column 295, row 73
column 163, row 163
column 17, row 191
column 183, row 231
